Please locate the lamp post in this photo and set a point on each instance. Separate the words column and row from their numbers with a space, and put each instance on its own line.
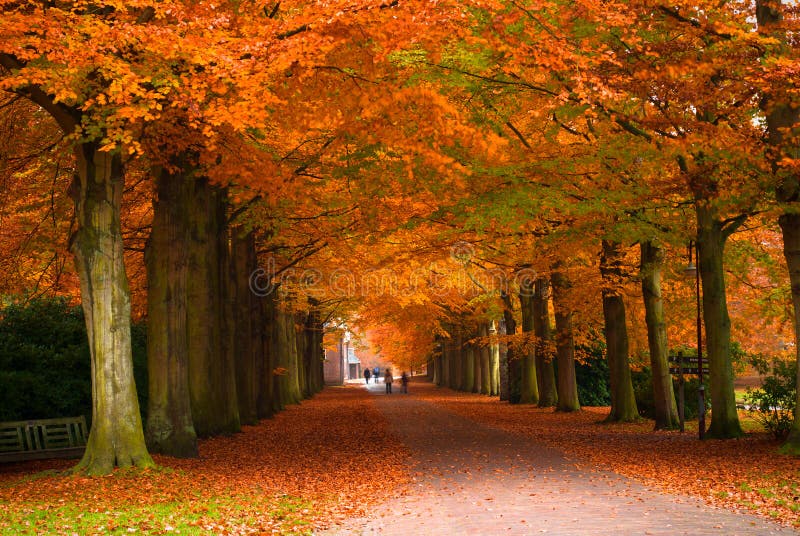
column 694, row 269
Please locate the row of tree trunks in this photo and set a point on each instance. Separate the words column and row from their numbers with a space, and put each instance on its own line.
column 219, row 355
column 468, row 366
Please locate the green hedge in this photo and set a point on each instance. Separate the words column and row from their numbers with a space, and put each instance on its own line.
column 45, row 369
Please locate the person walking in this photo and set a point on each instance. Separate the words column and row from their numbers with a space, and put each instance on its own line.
column 376, row 372
column 367, row 374
column 388, row 379
column 404, row 383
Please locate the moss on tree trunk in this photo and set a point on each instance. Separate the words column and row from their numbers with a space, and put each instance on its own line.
column 116, row 437
column 782, row 127
column 545, row 370
column 711, row 237
column 511, row 356
column 652, row 260
column 623, row 402
column 529, row 387
column 565, row 346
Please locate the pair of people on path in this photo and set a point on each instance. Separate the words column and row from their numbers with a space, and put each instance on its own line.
column 389, row 379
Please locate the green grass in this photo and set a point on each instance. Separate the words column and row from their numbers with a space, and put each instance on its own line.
column 193, row 516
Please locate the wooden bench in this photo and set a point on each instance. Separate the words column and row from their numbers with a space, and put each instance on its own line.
column 42, row 439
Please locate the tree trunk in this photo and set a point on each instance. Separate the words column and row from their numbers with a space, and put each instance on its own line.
column 652, row 260
column 476, row 369
column 266, row 390
column 711, row 239
column 214, row 410
column 623, row 402
column 469, row 369
column 170, row 428
column 790, row 225
column 782, row 122
column 545, row 370
column 445, row 362
column 512, row 361
column 116, row 437
column 311, row 350
column 486, row 377
column 503, row 377
column 529, row 388
column 565, row 346
column 246, row 340
column 494, row 361
column 458, row 363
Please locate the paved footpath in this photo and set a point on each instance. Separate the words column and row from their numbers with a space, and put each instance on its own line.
column 472, row 479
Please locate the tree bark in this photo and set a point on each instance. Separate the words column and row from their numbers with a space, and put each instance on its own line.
column 486, row 377
column 170, row 428
column 494, row 362
column 711, row 237
column 469, row 369
column 652, row 261
column 459, row 357
column 116, row 437
column 513, row 373
column 529, row 388
column 790, row 226
column 214, row 407
column 623, row 402
column 266, row 390
column 545, row 370
column 246, row 339
column 783, row 119
column 565, row 346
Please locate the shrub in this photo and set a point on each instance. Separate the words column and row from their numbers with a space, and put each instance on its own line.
column 773, row 404
column 592, row 378
column 45, row 368
column 643, row 390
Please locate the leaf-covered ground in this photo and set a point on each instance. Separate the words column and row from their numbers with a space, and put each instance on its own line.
column 329, row 458
column 746, row 473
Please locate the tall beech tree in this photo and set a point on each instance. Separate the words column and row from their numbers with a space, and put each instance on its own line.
column 652, row 261
column 116, row 437
column 783, row 122
column 623, row 401
column 545, row 370
column 529, row 388
column 567, row 383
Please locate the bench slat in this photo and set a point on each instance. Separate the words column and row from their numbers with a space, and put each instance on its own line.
column 43, row 438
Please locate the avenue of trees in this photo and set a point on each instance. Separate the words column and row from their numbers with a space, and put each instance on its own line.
column 490, row 187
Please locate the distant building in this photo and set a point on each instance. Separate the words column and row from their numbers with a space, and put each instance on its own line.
column 341, row 361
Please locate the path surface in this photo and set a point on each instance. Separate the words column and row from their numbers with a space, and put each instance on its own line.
column 472, row 479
